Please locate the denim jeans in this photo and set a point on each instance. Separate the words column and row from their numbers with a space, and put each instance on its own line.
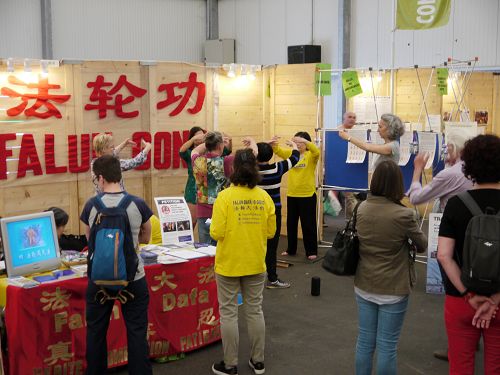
column 204, row 231
column 379, row 327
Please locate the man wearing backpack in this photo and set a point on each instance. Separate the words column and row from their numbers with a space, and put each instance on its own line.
column 122, row 219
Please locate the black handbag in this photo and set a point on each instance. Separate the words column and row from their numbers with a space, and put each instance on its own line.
column 342, row 258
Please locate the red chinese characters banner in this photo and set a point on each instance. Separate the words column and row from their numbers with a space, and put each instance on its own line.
column 46, row 325
column 40, row 126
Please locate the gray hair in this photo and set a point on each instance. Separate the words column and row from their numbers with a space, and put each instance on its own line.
column 213, row 139
column 395, row 127
column 457, row 142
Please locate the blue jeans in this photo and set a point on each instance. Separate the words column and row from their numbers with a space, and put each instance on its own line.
column 379, row 327
column 204, row 231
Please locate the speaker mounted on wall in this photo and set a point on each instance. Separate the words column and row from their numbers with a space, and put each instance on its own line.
column 304, row 54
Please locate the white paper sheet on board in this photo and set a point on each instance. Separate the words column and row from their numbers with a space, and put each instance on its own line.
column 364, row 107
column 433, row 124
column 427, row 143
column 416, row 127
column 354, row 153
column 467, row 129
column 404, row 148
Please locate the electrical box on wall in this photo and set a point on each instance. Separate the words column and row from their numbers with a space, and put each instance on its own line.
column 219, row 51
column 304, row 54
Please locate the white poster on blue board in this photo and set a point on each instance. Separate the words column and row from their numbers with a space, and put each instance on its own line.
column 434, row 283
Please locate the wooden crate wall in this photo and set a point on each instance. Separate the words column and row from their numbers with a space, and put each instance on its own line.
column 70, row 191
column 293, row 108
column 408, row 95
column 171, row 182
column 33, row 193
column 239, row 108
column 281, row 101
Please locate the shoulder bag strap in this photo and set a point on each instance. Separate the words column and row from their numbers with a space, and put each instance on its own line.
column 354, row 216
column 125, row 201
column 470, row 203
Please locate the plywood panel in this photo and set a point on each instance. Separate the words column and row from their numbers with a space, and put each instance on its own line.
column 409, row 94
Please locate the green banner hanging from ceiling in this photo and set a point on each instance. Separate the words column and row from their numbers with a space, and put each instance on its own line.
column 422, row 14
column 323, row 79
column 350, row 83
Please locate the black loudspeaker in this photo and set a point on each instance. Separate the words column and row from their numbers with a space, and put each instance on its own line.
column 304, row 54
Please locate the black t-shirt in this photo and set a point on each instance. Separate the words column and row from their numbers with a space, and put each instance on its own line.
column 72, row 242
column 456, row 216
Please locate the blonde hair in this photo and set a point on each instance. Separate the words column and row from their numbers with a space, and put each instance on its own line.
column 101, row 142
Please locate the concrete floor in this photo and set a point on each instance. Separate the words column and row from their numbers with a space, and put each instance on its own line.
column 316, row 335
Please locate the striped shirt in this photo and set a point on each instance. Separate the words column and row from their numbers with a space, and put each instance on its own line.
column 272, row 173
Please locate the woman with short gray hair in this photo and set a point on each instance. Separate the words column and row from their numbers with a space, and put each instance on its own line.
column 390, row 128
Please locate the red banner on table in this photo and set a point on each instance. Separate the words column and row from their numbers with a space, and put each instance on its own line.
column 46, row 324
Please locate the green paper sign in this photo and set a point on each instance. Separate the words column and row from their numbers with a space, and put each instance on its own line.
column 350, row 83
column 325, row 85
column 422, row 14
column 442, row 77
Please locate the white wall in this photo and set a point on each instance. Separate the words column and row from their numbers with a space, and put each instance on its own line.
column 473, row 30
column 171, row 30
column 263, row 29
column 175, row 30
column 20, row 29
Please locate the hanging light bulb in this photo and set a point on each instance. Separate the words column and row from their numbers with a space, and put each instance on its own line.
column 244, row 69
column 10, row 65
column 232, row 71
column 44, row 65
column 251, row 75
column 379, row 76
column 27, row 65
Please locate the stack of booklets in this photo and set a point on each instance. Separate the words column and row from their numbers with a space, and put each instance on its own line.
column 149, row 257
column 22, row 282
column 80, row 270
column 56, row 275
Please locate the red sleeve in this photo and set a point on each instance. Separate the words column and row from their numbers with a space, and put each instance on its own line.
column 228, row 165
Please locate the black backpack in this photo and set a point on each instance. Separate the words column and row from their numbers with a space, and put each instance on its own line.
column 481, row 252
column 112, row 259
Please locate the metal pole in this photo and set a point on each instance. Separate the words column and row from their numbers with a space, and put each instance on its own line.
column 422, row 93
column 373, row 93
column 46, row 18
column 466, row 84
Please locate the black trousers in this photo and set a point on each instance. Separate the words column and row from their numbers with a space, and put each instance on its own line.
column 135, row 315
column 272, row 248
column 305, row 210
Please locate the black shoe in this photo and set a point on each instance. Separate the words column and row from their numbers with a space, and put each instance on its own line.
column 257, row 367
column 441, row 354
column 221, row 369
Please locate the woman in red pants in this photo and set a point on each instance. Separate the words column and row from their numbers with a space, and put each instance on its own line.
column 470, row 314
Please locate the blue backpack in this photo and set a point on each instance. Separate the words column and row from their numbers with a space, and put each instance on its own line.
column 112, row 259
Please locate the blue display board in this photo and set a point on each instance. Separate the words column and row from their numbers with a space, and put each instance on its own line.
column 338, row 173
column 407, row 171
column 438, row 163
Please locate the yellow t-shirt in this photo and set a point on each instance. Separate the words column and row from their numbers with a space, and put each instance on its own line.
column 242, row 221
column 155, row 231
column 301, row 178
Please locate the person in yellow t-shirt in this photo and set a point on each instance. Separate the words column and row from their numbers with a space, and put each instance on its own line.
column 301, row 195
column 243, row 219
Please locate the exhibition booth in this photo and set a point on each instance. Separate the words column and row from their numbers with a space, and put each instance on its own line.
column 50, row 114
